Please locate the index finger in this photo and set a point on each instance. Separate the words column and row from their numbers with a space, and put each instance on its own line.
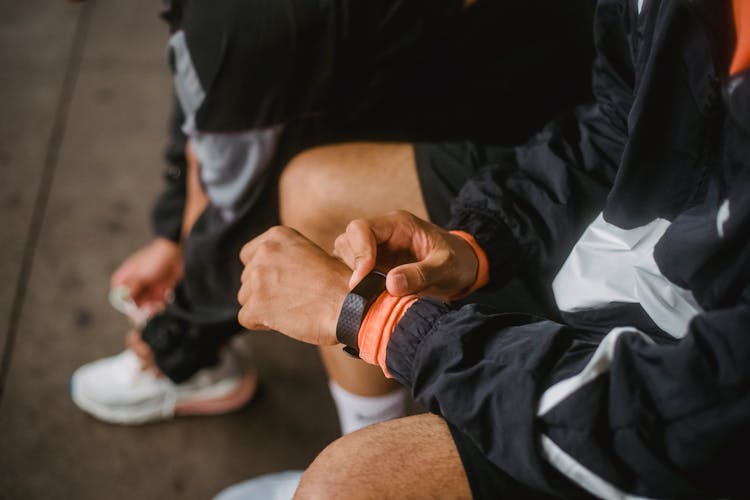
column 363, row 245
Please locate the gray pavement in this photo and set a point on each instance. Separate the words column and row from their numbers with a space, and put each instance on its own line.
column 85, row 94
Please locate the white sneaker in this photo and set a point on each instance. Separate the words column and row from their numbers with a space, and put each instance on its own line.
column 118, row 391
column 278, row 486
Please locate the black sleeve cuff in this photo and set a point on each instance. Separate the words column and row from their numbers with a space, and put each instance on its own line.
column 180, row 348
column 494, row 237
column 416, row 325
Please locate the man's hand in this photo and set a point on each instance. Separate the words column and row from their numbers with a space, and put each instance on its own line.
column 292, row 286
column 141, row 349
column 419, row 257
column 150, row 273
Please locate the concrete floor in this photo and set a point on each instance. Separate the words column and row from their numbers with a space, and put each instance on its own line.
column 85, row 94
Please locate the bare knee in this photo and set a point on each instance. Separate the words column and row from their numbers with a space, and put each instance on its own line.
column 326, row 477
column 308, row 198
column 412, row 457
column 324, row 188
column 300, row 192
column 300, row 186
column 348, row 468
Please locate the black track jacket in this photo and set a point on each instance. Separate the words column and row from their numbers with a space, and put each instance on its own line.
column 635, row 210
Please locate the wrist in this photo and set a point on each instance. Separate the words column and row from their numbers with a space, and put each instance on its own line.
column 166, row 245
column 338, row 296
column 469, row 267
column 354, row 308
column 476, row 273
column 337, row 289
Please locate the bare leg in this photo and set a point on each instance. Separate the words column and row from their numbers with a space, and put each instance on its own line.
column 413, row 457
column 324, row 188
column 321, row 190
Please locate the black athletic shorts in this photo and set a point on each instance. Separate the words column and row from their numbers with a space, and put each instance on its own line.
column 443, row 168
column 486, row 480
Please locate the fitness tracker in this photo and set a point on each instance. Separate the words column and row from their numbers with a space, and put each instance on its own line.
column 355, row 307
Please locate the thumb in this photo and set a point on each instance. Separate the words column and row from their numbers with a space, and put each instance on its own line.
column 413, row 278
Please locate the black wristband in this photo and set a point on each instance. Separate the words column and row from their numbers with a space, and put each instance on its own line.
column 355, row 307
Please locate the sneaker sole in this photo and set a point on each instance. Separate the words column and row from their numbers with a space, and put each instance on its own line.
column 242, row 394
column 239, row 397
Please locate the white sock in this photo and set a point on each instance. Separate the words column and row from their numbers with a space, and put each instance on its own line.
column 357, row 411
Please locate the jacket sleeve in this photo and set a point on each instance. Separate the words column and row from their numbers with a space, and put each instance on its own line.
column 166, row 215
column 528, row 211
column 613, row 412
